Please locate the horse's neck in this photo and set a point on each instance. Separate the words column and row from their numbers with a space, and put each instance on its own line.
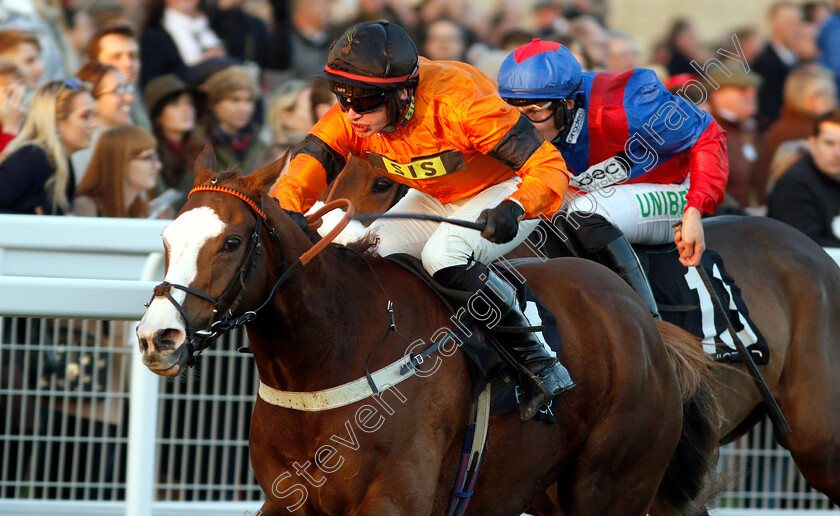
column 320, row 321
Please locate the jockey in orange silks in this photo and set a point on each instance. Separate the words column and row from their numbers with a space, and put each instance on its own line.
column 440, row 128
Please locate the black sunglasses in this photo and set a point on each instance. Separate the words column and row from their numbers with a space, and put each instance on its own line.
column 362, row 105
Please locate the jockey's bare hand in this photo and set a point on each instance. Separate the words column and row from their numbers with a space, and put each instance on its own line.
column 689, row 238
column 502, row 222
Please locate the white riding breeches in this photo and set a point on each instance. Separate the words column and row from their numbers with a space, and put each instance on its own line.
column 644, row 212
column 441, row 245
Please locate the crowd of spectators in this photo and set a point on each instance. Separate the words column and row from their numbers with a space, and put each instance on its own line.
column 237, row 74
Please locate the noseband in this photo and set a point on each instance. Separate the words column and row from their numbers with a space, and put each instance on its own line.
column 197, row 340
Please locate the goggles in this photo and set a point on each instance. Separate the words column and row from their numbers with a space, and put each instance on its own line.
column 535, row 112
column 362, row 105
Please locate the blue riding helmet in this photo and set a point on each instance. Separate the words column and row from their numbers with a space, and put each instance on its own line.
column 539, row 70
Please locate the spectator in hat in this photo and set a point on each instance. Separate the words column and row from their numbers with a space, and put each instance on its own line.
column 733, row 104
column 125, row 164
column 809, row 91
column 230, row 126
column 174, row 108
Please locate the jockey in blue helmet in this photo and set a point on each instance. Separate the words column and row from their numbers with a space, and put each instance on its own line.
column 641, row 158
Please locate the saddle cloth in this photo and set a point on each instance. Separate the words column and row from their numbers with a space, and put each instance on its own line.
column 485, row 363
column 683, row 300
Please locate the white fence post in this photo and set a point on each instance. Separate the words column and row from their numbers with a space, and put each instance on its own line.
column 142, row 421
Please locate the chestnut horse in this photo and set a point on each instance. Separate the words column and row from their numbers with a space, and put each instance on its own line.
column 792, row 289
column 639, row 426
column 368, row 189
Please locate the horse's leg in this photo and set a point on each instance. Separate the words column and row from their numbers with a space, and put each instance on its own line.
column 590, row 490
column 809, row 394
column 619, row 469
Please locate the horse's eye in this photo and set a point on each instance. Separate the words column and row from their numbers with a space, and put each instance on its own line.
column 383, row 184
column 231, row 244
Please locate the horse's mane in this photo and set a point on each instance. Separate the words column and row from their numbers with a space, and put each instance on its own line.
column 365, row 246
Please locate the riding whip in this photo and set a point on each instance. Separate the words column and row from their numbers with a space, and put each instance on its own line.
column 419, row 216
column 775, row 411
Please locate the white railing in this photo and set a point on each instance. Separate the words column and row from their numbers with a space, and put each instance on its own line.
column 82, row 268
column 94, row 268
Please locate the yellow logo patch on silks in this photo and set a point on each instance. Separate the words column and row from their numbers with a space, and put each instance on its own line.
column 421, row 168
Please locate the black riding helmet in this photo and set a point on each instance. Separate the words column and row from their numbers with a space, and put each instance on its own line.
column 375, row 59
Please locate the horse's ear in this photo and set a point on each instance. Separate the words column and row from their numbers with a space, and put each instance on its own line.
column 205, row 165
column 263, row 179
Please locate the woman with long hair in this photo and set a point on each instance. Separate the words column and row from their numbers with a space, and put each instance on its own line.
column 35, row 171
column 125, row 164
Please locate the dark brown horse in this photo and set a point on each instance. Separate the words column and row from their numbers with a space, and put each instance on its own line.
column 620, row 440
column 792, row 288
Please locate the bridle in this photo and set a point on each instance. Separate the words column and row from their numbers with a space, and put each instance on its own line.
column 197, row 340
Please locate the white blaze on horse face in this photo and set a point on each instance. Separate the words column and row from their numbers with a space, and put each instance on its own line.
column 184, row 237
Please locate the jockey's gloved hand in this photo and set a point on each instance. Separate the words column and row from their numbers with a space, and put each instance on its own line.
column 502, row 222
column 299, row 218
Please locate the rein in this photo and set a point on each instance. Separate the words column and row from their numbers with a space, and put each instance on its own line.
column 197, row 340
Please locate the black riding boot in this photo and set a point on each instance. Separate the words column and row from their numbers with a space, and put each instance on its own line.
column 619, row 256
column 550, row 378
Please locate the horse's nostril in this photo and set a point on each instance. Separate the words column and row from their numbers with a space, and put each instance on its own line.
column 144, row 344
column 167, row 339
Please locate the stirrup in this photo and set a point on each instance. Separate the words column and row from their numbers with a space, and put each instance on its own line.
column 550, row 382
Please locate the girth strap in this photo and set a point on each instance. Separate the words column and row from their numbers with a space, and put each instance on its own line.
column 475, row 444
column 351, row 392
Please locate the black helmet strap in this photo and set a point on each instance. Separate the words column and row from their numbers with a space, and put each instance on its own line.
column 562, row 114
column 399, row 111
